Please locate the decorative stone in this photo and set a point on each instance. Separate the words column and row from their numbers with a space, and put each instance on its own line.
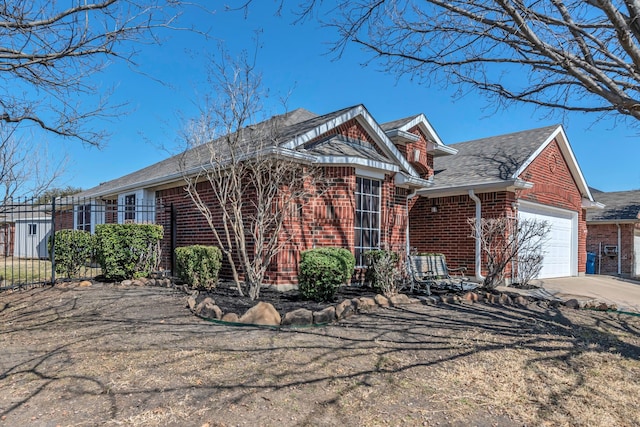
column 192, row 302
column 126, row 282
column 230, row 317
column 520, row 300
column 299, row 317
column 381, row 300
column 208, row 309
column 399, row 299
column 470, row 297
column 85, row 283
column 262, row 313
column 344, row 309
column 327, row 315
column 572, row 303
column 363, row 304
column 414, row 301
column 138, row 282
column 504, row 299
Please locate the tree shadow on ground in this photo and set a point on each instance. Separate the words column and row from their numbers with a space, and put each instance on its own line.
column 137, row 355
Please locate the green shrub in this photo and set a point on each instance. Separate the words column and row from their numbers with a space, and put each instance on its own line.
column 198, row 265
column 320, row 276
column 73, row 250
column 382, row 269
column 346, row 259
column 128, row 251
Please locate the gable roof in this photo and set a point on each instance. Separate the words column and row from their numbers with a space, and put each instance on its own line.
column 287, row 134
column 620, row 206
column 400, row 129
column 497, row 162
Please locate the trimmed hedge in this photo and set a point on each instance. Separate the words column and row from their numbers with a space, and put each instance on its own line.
column 321, row 274
column 198, row 265
column 128, row 251
column 73, row 250
column 345, row 257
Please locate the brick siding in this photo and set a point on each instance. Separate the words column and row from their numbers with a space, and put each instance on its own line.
column 607, row 234
column 553, row 185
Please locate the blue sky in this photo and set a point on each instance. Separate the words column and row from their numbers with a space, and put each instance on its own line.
column 295, row 60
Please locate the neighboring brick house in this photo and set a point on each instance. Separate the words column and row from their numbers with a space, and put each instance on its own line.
column 529, row 174
column 353, row 151
column 614, row 233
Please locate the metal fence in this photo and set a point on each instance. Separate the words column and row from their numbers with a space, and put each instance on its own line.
column 27, row 230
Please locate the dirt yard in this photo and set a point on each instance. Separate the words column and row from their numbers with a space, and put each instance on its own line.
column 112, row 355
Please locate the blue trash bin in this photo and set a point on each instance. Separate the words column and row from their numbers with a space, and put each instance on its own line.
column 591, row 263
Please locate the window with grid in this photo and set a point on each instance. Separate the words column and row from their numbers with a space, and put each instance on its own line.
column 33, row 229
column 83, row 217
column 367, row 224
column 130, row 208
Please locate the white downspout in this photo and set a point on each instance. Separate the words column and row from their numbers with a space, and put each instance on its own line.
column 478, row 266
column 408, row 245
column 619, row 251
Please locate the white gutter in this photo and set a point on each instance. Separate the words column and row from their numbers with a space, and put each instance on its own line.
column 478, row 266
column 455, row 190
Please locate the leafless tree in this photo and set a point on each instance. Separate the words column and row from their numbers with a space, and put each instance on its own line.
column 251, row 187
column 49, row 51
column 578, row 55
column 507, row 240
column 25, row 167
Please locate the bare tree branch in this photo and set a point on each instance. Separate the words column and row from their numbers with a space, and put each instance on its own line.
column 571, row 55
column 49, row 51
column 246, row 187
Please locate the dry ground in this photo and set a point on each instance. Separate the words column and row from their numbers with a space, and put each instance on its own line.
column 110, row 355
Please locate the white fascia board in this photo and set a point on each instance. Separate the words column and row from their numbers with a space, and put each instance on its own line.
column 510, row 185
column 422, row 121
column 567, row 152
column 356, row 161
column 398, row 133
column 612, row 221
column 445, row 149
column 403, row 180
column 590, row 204
column 360, row 113
column 178, row 176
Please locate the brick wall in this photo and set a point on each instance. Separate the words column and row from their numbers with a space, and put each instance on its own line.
column 324, row 219
column 447, row 231
column 553, row 185
column 607, row 234
column 416, row 154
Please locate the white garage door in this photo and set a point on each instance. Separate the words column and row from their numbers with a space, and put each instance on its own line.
column 560, row 246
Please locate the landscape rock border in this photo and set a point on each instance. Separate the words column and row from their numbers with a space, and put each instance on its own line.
column 264, row 314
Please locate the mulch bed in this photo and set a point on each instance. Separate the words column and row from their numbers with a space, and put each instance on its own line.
column 226, row 296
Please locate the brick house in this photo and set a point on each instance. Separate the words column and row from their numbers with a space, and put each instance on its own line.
column 394, row 185
column 614, row 233
column 365, row 207
column 529, row 174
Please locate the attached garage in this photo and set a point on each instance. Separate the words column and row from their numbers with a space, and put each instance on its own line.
column 560, row 248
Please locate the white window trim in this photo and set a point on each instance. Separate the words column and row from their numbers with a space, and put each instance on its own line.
column 145, row 206
column 379, row 211
column 97, row 215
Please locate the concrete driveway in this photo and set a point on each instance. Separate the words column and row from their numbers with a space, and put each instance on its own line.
column 608, row 289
